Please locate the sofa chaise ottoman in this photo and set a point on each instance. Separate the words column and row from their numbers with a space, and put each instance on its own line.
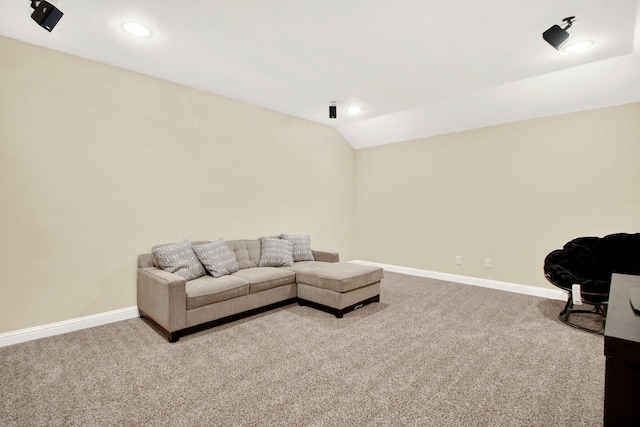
column 338, row 288
column 188, row 286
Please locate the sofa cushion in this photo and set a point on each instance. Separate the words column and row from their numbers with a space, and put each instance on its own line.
column 263, row 278
column 247, row 252
column 340, row 277
column 208, row 290
column 301, row 265
column 276, row 253
column 217, row 258
column 301, row 246
column 179, row 258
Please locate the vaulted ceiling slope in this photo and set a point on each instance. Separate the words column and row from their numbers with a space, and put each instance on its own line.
column 416, row 68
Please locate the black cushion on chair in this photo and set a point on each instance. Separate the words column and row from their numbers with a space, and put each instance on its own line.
column 624, row 252
column 576, row 263
column 590, row 261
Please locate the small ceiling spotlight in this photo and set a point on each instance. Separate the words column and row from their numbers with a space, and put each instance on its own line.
column 136, row 29
column 45, row 14
column 555, row 35
column 578, row 46
column 354, row 109
column 333, row 111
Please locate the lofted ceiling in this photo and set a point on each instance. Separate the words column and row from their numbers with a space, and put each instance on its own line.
column 416, row 68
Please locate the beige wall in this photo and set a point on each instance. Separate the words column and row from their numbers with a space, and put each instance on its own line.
column 97, row 164
column 510, row 193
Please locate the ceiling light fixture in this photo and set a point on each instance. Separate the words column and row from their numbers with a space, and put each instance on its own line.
column 555, row 35
column 578, row 46
column 45, row 14
column 354, row 110
column 136, row 29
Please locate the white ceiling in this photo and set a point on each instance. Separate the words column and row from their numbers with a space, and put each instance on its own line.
column 417, row 68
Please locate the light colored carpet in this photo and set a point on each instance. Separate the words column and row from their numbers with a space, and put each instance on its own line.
column 431, row 353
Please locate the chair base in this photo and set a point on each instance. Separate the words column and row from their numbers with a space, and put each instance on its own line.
column 599, row 309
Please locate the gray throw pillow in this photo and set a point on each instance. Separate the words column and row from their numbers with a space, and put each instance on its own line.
column 179, row 258
column 217, row 258
column 301, row 246
column 276, row 253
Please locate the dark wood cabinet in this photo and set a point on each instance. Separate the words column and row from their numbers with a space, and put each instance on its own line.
column 622, row 350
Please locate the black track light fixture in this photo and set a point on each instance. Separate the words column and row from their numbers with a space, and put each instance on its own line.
column 45, row 14
column 556, row 35
column 333, row 111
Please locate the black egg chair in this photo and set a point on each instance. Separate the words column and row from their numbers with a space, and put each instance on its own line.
column 590, row 262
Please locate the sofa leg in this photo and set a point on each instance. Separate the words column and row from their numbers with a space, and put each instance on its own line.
column 339, row 313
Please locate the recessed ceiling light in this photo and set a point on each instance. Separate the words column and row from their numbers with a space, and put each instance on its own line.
column 578, row 46
column 353, row 110
column 136, row 29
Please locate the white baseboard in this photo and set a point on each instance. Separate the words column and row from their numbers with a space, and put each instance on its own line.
column 557, row 294
column 71, row 325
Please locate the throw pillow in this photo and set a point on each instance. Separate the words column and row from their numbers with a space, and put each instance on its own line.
column 217, row 258
column 301, row 246
column 179, row 258
column 276, row 253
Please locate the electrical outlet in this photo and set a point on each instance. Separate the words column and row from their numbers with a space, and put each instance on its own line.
column 487, row 263
column 458, row 260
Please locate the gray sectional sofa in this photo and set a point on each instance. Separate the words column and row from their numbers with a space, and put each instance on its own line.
column 187, row 286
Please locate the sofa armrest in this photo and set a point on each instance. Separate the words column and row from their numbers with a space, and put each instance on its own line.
column 145, row 260
column 162, row 296
column 326, row 256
